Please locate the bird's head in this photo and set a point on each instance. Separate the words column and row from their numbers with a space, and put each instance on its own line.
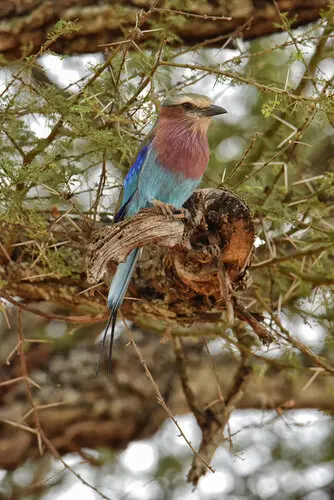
column 194, row 110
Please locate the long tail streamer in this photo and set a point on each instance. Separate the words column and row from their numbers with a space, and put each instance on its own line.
column 116, row 295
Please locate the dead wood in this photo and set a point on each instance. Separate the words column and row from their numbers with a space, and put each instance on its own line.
column 199, row 258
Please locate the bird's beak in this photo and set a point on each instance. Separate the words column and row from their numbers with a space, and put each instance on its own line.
column 213, row 110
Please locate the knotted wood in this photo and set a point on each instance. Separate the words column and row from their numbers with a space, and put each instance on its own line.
column 200, row 256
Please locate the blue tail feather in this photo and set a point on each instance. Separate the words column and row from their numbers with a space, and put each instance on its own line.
column 122, row 211
column 116, row 295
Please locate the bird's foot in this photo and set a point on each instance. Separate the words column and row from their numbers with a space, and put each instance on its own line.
column 172, row 212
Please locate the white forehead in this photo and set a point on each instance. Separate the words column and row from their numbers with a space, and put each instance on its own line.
column 198, row 100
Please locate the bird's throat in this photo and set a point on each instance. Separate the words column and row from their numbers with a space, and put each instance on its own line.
column 182, row 147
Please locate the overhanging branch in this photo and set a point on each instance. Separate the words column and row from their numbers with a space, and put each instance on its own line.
column 24, row 25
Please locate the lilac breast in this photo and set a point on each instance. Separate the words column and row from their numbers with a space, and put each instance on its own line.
column 182, row 149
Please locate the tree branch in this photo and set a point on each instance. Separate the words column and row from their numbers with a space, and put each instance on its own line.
column 24, row 25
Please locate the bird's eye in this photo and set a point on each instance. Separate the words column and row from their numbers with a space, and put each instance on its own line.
column 187, row 106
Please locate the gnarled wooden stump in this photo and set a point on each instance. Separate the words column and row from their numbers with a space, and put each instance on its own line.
column 199, row 260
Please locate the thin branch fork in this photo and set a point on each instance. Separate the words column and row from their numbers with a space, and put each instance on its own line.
column 212, row 423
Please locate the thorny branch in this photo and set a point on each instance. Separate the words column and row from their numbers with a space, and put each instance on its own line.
column 161, row 400
column 211, row 422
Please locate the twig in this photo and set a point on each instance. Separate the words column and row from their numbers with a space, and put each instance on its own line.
column 303, row 348
column 77, row 320
column 200, row 415
column 191, row 14
column 241, row 162
column 265, row 336
column 295, row 255
column 159, row 396
column 239, row 78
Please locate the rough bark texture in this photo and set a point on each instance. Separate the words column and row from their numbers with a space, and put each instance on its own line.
column 182, row 279
column 24, row 24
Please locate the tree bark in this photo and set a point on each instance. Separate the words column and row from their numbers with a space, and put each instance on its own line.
column 25, row 24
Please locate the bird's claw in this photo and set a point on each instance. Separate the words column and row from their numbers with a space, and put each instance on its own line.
column 166, row 209
column 172, row 212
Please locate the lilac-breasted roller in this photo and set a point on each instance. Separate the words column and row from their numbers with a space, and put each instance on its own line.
column 168, row 168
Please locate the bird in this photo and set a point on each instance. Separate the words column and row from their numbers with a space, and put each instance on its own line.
column 168, row 168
